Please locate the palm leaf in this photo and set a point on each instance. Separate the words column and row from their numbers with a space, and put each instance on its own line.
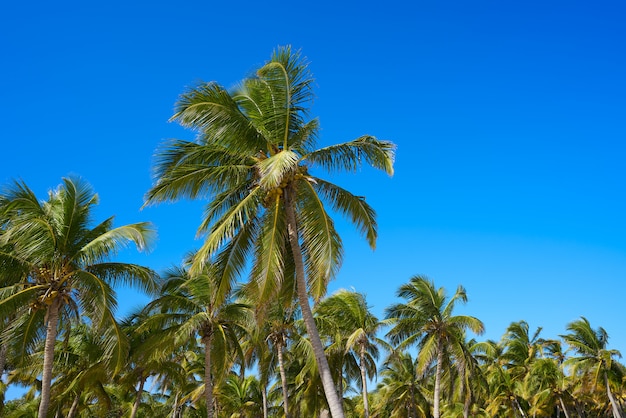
column 354, row 208
column 349, row 156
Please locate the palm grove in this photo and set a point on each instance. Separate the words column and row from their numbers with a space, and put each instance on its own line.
column 244, row 328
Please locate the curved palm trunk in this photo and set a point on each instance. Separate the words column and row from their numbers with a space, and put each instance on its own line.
column 563, row 407
column 438, row 379
column 519, row 407
column 366, row 407
column 208, row 380
column 175, row 409
column 334, row 403
column 52, row 317
column 142, row 381
column 283, row 378
column 74, row 409
column 616, row 409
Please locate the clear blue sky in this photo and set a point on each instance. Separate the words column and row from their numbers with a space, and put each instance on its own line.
column 508, row 117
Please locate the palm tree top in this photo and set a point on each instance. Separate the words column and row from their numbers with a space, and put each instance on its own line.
column 586, row 341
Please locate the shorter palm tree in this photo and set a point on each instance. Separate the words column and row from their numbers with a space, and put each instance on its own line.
column 593, row 358
column 427, row 320
column 62, row 262
column 190, row 307
column 400, row 392
column 358, row 329
column 241, row 397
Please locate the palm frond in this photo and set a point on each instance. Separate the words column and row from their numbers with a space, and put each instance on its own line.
column 212, row 111
column 127, row 274
column 107, row 244
column 354, row 208
column 226, row 227
column 268, row 269
column 187, row 169
column 350, row 156
column 321, row 243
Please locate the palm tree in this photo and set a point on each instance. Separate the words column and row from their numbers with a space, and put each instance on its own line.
column 400, row 391
column 545, row 382
column 277, row 330
column 191, row 306
column 63, row 261
column 594, row 358
column 82, row 372
column 359, row 327
column 468, row 378
column 521, row 349
column 145, row 358
column 427, row 320
column 253, row 158
column 241, row 397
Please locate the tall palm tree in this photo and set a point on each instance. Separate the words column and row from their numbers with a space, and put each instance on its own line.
column 64, row 264
column 594, row 358
column 359, row 328
column 190, row 307
column 427, row 320
column 254, row 158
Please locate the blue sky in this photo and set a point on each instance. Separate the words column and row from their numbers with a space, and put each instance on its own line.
column 508, row 117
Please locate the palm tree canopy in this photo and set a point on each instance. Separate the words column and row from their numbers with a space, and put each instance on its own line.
column 254, row 143
column 349, row 312
column 591, row 348
column 56, row 253
column 427, row 318
column 189, row 307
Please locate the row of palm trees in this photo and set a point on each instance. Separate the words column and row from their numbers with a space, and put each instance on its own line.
column 268, row 219
column 193, row 350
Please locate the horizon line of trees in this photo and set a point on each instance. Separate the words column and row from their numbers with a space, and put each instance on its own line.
column 261, row 362
column 211, row 344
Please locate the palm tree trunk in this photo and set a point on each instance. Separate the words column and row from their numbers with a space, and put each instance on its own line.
column 208, row 380
column 366, row 407
column 340, row 379
column 263, row 387
column 142, row 381
column 413, row 406
column 52, row 322
column 175, row 409
column 616, row 410
column 74, row 408
column 580, row 410
column 519, row 407
column 563, row 407
column 3, row 358
column 438, row 371
column 283, row 377
column 334, row 403
column 467, row 404
column 3, row 361
column 264, row 394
